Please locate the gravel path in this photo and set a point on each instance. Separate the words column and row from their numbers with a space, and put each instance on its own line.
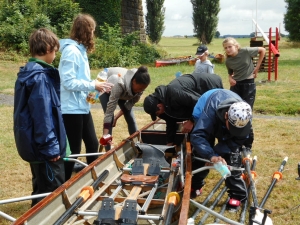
column 9, row 100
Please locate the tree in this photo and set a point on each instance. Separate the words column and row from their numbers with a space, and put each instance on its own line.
column 103, row 12
column 217, row 35
column 292, row 19
column 155, row 20
column 205, row 19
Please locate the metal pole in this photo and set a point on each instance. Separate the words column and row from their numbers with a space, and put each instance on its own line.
column 95, row 213
column 274, row 50
column 276, row 176
column 223, row 218
column 30, row 197
column 209, row 196
column 218, row 198
column 8, row 217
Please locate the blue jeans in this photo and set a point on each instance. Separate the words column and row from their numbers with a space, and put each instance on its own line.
column 128, row 115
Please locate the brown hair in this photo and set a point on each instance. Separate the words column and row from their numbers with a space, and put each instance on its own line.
column 82, row 31
column 41, row 41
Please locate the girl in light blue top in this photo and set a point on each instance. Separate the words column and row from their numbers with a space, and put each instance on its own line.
column 76, row 83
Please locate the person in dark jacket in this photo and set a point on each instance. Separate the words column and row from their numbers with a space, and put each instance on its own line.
column 38, row 125
column 223, row 115
column 175, row 102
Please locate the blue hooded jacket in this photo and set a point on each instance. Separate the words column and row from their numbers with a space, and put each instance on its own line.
column 210, row 124
column 38, row 125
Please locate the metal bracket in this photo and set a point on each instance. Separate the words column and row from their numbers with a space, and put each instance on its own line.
column 129, row 213
column 106, row 215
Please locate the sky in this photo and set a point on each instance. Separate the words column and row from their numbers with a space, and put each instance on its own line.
column 235, row 16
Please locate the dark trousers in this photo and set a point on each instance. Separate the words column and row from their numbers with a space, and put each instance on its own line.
column 235, row 184
column 80, row 127
column 128, row 115
column 246, row 89
column 46, row 177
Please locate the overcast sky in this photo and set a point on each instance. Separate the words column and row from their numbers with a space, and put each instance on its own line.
column 235, row 16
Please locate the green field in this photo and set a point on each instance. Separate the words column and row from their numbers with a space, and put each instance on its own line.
column 275, row 136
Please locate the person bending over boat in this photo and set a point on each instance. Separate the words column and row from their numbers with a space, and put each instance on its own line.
column 221, row 114
column 175, row 102
column 127, row 91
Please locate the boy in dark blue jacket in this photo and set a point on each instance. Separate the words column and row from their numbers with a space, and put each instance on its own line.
column 38, row 125
column 221, row 114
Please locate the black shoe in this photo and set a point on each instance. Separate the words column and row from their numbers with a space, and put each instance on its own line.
column 78, row 167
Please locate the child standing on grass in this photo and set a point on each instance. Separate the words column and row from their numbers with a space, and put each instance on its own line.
column 203, row 65
column 241, row 70
column 76, row 83
column 38, row 125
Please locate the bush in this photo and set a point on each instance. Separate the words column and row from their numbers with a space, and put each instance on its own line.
column 115, row 49
column 20, row 18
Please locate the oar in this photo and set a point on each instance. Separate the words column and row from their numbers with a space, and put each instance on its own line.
column 218, row 198
column 85, row 194
column 172, row 199
column 209, row 196
column 246, row 162
column 276, row 177
column 222, row 210
column 244, row 209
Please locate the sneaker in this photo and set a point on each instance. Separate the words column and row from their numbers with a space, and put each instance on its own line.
column 195, row 193
column 233, row 205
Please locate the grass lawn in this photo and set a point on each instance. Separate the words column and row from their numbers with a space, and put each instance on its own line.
column 275, row 137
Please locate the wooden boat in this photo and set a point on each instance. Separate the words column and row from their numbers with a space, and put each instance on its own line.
column 173, row 61
column 107, row 189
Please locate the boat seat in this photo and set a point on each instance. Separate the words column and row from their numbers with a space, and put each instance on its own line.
column 155, row 152
column 138, row 179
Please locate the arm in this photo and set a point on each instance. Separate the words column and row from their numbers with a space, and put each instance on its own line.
column 114, row 97
column 232, row 81
column 171, row 128
column 117, row 116
column 261, row 52
column 201, row 134
column 40, row 106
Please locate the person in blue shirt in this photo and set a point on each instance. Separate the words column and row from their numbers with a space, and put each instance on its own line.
column 223, row 115
column 38, row 124
column 76, row 83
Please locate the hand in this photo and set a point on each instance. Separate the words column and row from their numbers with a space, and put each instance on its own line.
column 115, row 122
column 54, row 159
column 255, row 73
column 216, row 159
column 187, row 126
column 103, row 86
column 232, row 81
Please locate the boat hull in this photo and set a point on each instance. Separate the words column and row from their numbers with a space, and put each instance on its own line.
column 50, row 209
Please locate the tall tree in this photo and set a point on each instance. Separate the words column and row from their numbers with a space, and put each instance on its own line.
column 103, row 11
column 205, row 19
column 155, row 19
column 292, row 19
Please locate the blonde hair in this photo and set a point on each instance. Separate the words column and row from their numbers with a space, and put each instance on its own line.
column 233, row 41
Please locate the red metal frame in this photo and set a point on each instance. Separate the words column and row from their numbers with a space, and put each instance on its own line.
column 275, row 52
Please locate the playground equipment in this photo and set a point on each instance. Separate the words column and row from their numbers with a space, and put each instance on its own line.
column 270, row 62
